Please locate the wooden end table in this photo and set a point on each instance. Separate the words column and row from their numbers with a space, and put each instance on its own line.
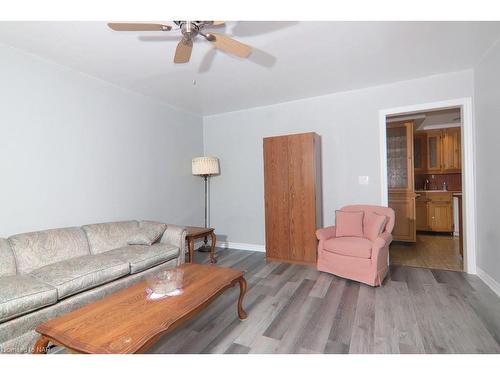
column 200, row 232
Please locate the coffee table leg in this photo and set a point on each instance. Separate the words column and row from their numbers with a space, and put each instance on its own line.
column 212, row 248
column 41, row 345
column 243, row 289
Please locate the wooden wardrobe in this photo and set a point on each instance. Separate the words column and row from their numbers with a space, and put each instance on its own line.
column 293, row 202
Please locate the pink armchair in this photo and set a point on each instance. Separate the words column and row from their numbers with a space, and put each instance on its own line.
column 357, row 258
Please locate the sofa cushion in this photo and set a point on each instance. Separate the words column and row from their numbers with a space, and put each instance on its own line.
column 349, row 223
column 108, row 236
column 350, row 246
column 148, row 233
column 78, row 274
column 142, row 257
column 21, row 294
column 38, row 249
column 373, row 225
column 7, row 261
column 140, row 238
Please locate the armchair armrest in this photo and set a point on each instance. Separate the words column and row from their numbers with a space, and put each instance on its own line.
column 325, row 233
column 380, row 250
column 382, row 240
column 176, row 236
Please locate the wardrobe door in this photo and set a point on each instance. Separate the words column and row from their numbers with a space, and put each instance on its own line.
column 276, row 198
column 302, row 197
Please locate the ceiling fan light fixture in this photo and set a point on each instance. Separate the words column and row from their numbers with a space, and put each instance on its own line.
column 189, row 31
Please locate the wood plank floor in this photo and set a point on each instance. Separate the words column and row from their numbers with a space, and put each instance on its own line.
column 296, row 309
column 430, row 251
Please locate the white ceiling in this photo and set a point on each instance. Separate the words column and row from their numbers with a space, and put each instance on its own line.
column 291, row 60
column 435, row 119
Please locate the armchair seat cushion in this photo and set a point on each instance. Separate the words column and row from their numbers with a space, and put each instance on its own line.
column 78, row 274
column 142, row 257
column 357, row 247
column 21, row 294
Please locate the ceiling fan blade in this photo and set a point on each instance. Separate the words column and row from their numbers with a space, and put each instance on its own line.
column 230, row 45
column 217, row 23
column 183, row 51
column 139, row 27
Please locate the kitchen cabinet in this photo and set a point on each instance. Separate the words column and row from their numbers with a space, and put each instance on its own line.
column 434, row 146
column 451, row 150
column 400, row 179
column 420, row 152
column 443, row 151
column 441, row 216
column 422, row 216
column 434, row 211
column 403, row 205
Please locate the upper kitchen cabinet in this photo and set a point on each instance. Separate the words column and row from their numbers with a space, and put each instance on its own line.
column 420, row 152
column 443, row 153
column 434, row 151
column 451, row 150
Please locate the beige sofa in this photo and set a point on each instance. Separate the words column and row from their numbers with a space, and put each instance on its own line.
column 48, row 273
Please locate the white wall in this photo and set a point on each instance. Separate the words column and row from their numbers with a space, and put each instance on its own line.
column 76, row 150
column 348, row 125
column 487, row 110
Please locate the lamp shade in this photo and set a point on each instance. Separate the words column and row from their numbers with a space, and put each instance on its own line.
column 205, row 165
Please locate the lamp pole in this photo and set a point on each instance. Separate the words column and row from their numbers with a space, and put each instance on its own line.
column 205, row 248
column 205, row 177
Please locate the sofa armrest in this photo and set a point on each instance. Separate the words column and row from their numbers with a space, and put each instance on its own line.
column 176, row 236
column 325, row 233
column 384, row 239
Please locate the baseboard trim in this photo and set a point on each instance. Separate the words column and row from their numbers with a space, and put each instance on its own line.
column 241, row 246
column 488, row 280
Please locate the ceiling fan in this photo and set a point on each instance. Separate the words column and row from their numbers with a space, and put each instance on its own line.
column 190, row 30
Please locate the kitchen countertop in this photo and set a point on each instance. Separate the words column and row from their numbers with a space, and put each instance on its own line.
column 439, row 191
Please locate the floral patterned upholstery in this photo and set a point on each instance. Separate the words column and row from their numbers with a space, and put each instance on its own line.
column 38, row 249
column 141, row 257
column 7, row 260
column 108, row 236
column 78, row 274
column 45, row 274
column 21, row 294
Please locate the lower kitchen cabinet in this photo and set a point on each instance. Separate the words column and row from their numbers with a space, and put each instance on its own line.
column 421, row 215
column 434, row 211
column 441, row 216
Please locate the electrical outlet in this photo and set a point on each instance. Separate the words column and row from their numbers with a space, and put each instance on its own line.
column 363, row 180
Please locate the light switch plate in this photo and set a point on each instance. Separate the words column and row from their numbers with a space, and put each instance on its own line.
column 363, row 180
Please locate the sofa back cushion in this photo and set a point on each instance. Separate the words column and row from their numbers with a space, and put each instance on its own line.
column 38, row 249
column 108, row 236
column 7, row 260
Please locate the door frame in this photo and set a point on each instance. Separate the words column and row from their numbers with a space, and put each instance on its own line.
column 468, row 167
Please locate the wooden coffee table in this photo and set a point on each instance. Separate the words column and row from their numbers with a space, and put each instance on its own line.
column 128, row 321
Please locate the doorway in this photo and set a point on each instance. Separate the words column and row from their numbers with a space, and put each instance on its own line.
column 428, row 166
